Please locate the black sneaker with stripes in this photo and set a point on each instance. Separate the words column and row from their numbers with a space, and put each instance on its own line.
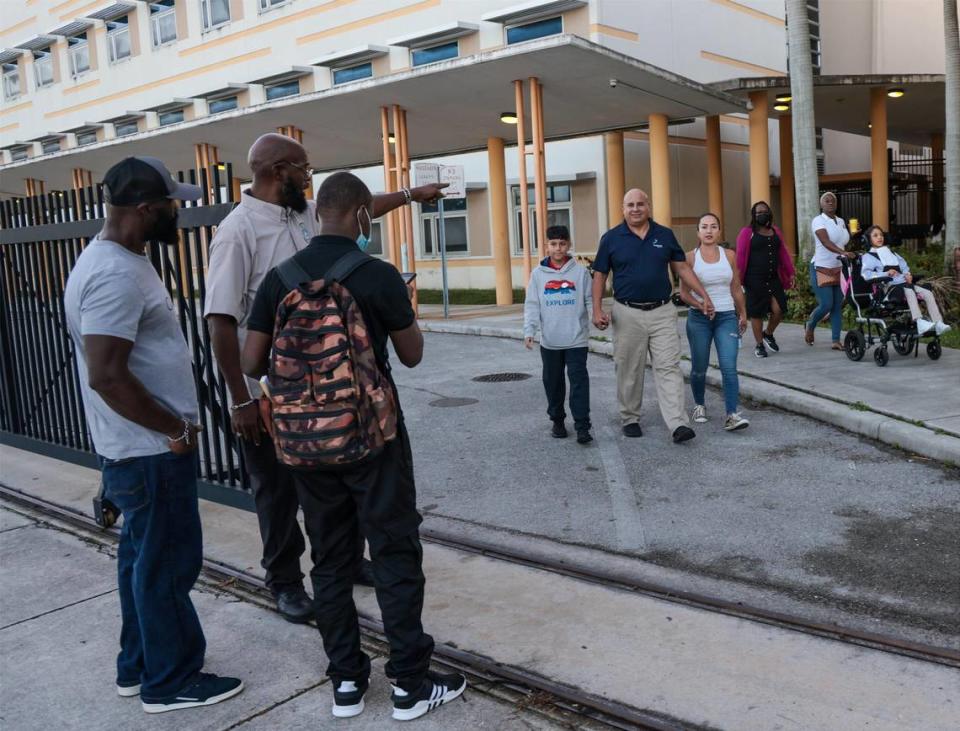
column 436, row 690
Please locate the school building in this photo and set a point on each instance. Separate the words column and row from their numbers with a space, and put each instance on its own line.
column 687, row 99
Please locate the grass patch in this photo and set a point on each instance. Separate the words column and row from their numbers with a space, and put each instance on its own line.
column 466, row 296
column 859, row 406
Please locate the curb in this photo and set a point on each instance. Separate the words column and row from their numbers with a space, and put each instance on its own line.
column 896, row 433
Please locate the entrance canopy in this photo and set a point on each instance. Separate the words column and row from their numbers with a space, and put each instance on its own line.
column 842, row 103
column 453, row 106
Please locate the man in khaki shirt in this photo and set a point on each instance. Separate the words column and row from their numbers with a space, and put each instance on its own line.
column 273, row 221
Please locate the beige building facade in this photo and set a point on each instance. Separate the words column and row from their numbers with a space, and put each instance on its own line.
column 86, row 83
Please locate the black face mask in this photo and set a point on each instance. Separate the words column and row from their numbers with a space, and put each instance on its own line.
column 291, row 196
column 764, row 219
column 164, row 228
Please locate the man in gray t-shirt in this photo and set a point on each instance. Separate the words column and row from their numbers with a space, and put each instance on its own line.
column 141, row 406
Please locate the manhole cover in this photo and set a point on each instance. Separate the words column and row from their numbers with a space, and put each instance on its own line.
column 502, row 377
column 445, row 403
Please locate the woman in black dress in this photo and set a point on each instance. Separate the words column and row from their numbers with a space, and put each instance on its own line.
column 766, row 270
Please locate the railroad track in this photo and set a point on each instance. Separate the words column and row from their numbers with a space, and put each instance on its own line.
column 563, row 703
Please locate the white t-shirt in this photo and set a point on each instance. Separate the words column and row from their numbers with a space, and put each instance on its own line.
column 250, row 241
column 838, row 235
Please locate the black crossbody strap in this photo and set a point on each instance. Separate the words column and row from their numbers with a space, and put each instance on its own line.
column 292, row 274
column 346, row 265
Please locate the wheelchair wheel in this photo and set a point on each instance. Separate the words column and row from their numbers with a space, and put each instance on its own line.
column 880, row 356
column 934, row 350
column 903, row 344
column 855, row 345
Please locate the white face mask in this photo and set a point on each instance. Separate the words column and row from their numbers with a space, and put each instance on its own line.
column 363, row 240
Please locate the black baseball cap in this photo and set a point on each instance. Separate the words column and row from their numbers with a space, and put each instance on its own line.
column 136, row 180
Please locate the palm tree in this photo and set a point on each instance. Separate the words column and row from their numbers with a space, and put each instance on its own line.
column 952, row 137
column 804, row 135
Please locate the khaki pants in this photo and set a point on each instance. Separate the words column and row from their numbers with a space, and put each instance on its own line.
column 926, row 295
column 635, row 332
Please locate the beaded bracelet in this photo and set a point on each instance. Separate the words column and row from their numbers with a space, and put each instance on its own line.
column 406, row 194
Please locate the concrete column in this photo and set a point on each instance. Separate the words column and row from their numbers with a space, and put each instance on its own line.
column 759, row 148
column 539, row 162
column 715, row 169
column 936, row 147
column 879, row 171
column 660, row 170
column 389, row 235
column 788, row 200
column 522, row 160
column 613, row 145
column 499, row 222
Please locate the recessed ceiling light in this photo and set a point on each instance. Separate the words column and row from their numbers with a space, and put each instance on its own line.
column 895, row 93
column 781, row 107
column 784, row 98
column 509, row 117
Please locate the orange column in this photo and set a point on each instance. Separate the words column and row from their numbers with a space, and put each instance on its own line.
column 613, row 149
column 522, row 158
column 788, row 198
column 660, row 170
column 391, row 243
column 879, row 172
column 539, row 161
column 715, row 169
column 499, row 226
column 759, row 148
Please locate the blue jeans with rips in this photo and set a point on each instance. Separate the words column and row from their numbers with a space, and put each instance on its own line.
column 158, row 560
column 723, row 331
column 829, row 299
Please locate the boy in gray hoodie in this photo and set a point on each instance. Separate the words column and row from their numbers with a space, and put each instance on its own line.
column 558, row 304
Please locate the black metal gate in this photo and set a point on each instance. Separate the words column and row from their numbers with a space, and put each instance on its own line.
column 40, row 404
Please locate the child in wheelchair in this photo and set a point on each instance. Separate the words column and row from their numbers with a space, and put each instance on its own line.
column 884, row 267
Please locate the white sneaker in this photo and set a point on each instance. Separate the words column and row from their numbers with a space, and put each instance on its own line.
column 924, row 326
column 942, row 327
column 735, row 422
column 699, row 414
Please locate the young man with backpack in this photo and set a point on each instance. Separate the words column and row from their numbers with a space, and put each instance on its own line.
column 319, row 328
column 272, row 221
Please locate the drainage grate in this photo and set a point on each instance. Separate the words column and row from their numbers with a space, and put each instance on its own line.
column 502, row 377
column 450, row 402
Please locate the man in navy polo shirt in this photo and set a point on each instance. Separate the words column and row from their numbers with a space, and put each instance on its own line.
column 642, row 253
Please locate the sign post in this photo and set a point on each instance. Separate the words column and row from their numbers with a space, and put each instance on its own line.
column 427, row 173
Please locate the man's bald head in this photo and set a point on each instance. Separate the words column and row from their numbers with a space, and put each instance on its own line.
column 636, row 208
column 273, row 148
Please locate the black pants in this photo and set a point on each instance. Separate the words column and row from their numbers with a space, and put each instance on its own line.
column 554, row 383
column 377, row 501
column 276, row 501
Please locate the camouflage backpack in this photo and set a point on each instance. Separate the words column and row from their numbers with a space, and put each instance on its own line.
column 332, row 405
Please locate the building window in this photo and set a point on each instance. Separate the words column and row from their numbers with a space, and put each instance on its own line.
column 422, row 56
column 165, row 118
column 50, row 146
column 43, row 68
column 266, row 5
column 559, row 212
column 353, row 73
column 375, row 247
column 79, row 53
column 118, row 39
column 454, row 226
column 11, row 81
column 129, row 127
column 19, row 154
column 214, row 13
column 163, row 22
column 86, row 138
column 536, row 29
column 214, row 106
column 287, row 88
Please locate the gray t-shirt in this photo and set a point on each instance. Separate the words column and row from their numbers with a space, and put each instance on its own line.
column 112, row 291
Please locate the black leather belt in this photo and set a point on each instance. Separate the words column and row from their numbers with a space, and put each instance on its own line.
column 644, row 305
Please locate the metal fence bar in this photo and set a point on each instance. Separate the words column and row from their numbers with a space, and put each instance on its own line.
column 41, row 407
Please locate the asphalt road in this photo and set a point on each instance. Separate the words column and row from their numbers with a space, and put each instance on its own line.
column 790, row 507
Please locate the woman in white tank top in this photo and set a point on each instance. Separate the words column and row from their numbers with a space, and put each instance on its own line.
column 716, row 269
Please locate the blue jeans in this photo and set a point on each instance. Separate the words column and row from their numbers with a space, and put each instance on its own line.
column 829, row 299
column 158, row 561
column 724, row 331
